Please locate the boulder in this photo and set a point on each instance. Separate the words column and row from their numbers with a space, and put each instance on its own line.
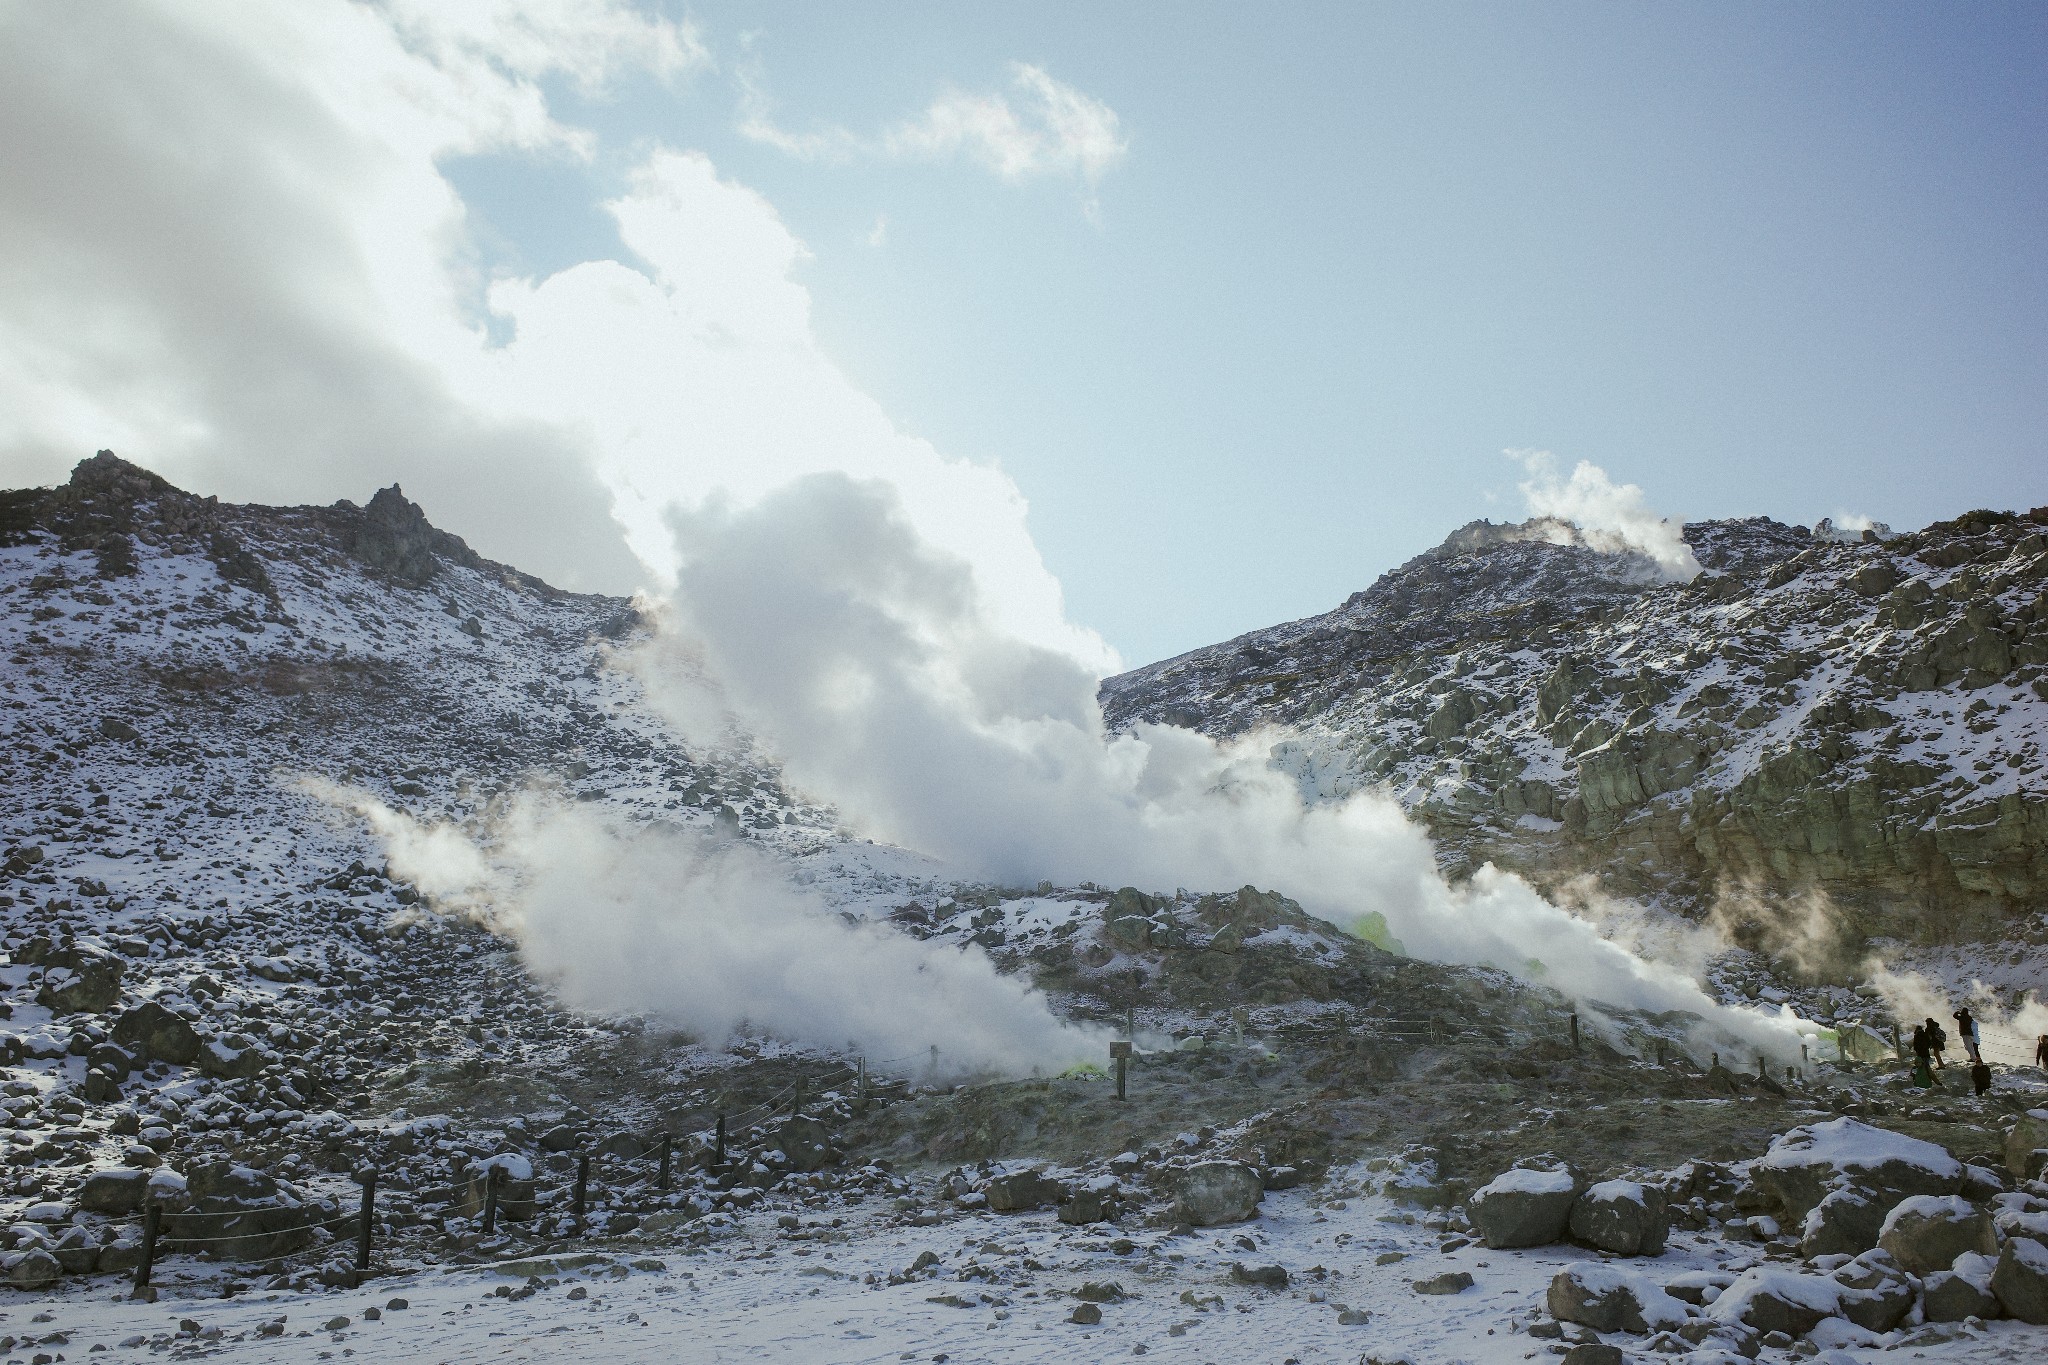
column 1450, row 1282
column 806, row 1142
column 1805, row 1165
column 116, row 1191
column 2028, row 1136
column 1964, row 1292
column 234, row 1058
column 1844, row 1223
column 77, row 1251
column 1772, row 1298
column 1876, row 1293
column 34, row 1269
column 89, row 988
column 1212, row 1193
column 1523, row 1207
column 1023, row 1191
column 1593, row 1353
column 242, row 1214
column 2021, row 1280
column 1609, row 1299
column 518, row 1191
column 1928, row 1231
column 1264, row 1276
column 154, row 1031
column 1097, row 1201
column 1620, row 1216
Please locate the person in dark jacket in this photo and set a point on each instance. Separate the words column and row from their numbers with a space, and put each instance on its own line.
column 1937, row 1042
column 1966, row 1029
column 1921, row 1051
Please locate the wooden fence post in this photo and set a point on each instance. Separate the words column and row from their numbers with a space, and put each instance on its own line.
column 369, row 1179
column 582, row 1188
column 667, row 1148
column 491, row 1180
column 718, row 1151
column 1120, row 1052
column 152, row 1220
column 1575, row 1030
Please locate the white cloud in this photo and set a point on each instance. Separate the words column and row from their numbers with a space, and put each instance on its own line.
column 1042, row 126
column 1609, row 516
column 233, row 256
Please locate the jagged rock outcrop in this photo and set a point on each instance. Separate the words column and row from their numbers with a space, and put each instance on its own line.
column 1862, row 718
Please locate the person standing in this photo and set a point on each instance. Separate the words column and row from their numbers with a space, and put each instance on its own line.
column 1966, row 1030
column 2041, row 1052
column 1922, row 1049
column 1937, row 1042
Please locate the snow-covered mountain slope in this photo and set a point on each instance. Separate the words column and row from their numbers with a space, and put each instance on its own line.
column 1863, row 719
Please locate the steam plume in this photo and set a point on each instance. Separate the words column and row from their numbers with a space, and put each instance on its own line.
column 1609, row 516
column 707, row 933
column 867, row 662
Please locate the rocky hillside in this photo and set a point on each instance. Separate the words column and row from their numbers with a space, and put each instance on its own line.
column 1865, row 718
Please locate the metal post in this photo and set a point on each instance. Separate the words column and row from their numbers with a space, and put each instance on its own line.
column 1120, row 1051
column 582, row 1186
column 152, row 1220
column 667, row 1148
column 1717, row 1062
column 369, row 1179
column 718, row 1151
column 860, row 1082
column 935, row 1063
column 1802, row 1053
column 1760, row 1066
column 1575, row 1030
column 1660, row 1052
column 796, row 1100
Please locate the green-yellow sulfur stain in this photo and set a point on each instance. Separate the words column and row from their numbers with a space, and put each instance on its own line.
column 1082, row 1071
column 1373, row 929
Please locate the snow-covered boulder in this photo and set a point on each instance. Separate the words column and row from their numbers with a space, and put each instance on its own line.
column 1621, row 1216
column 31, row 1269
column 1211, row 1193
column 1804, row 1165
column 1774, row 1298
column 1964, row 1292
column 1607, row 1298
column 2021, row 1280
column 1523, row 1207
column 1876, row 1291
column 1845, row 1222
column 116, row 1191
column 1023, row 1190
column 154, row 1031
column 2028, row 1136
column 1928, row 1231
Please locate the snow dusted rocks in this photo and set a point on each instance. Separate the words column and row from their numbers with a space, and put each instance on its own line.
column 1620, row 1216
column 2021, row 1280
column 1211, row 1193
column 1876, row 1294
column 1524, row 1207
column 1929, row 1231
column 1776, row 1298
column 1608, row 1298
column 1964, row 1292
column 1806, row 1165
column 2026, row 1146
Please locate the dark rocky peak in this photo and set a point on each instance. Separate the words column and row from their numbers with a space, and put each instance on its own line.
column 395, row 538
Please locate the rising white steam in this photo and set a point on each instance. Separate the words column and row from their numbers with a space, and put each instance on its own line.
column 867, row 661
column 1609, row 516
column 709, row 934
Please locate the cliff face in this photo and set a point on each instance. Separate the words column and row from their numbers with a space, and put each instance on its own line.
column 1863, row 719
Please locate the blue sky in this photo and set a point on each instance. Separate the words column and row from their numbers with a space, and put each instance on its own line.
column 1758, row 259
column 1754, row 258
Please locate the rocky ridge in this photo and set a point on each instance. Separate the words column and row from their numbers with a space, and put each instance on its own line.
column 1864, row 719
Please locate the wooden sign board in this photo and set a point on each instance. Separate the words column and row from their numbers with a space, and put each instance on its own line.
column 1120, row 1049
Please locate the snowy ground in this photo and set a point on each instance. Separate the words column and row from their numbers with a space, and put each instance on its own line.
column 766, row 1294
